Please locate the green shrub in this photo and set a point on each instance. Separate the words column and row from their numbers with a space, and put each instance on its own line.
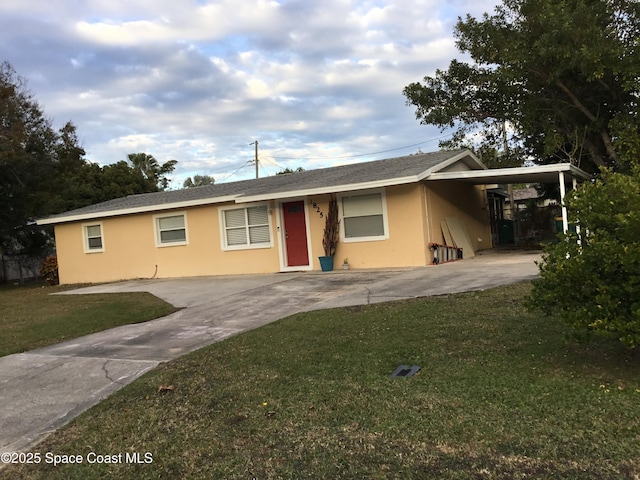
column 592, row 279
column 49, row 270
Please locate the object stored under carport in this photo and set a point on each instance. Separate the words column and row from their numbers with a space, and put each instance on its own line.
column 507, row 229
column 460, row 236
column 444, row 253
column 446, row 234
column 405, row 371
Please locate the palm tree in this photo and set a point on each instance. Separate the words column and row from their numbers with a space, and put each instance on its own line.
column 150, row 169
column 198, row 181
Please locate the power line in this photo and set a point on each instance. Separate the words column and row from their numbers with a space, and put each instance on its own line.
column 272, row 163
column 252, row 161
column 362, row 154
column 248, row 162
column 263, row 169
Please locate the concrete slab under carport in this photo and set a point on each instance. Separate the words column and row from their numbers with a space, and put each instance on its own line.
column 488, row 269
column 43, row 389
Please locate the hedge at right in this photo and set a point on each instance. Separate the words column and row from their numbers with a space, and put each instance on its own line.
column 592, row 279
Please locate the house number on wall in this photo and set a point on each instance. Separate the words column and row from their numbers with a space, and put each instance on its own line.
column 315, row 205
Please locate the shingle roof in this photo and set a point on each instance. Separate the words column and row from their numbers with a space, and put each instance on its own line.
column 341, row 178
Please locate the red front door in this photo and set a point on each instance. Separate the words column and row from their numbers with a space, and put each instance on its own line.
column 295, row 234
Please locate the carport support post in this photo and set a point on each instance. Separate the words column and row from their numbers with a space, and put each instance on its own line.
column 575, row 185
column 565, row 220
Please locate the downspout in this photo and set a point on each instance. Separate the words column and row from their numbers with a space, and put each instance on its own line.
column 427, row 211
column 425, row 194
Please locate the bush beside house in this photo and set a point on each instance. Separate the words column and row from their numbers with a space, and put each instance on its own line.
column 592, row 278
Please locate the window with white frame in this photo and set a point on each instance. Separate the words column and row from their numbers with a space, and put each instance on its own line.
column 364, row 217
column 246, row 227
column 171, row 230
column 93, row 238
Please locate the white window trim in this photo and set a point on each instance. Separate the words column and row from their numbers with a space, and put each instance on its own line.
column 85, row 237
column 156, row 230
column 385, row 216
column 244, row 206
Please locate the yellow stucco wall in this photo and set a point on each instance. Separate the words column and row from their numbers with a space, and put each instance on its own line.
column 405, row 245
column 462, row 200
column 413, row 216
column 130, row 250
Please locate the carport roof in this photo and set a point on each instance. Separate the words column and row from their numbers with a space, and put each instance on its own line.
column 536, row 174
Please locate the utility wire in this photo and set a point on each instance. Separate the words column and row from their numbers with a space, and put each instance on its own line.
column 269, row 160
column 248, row 162
column 261, row 164
column 272, row 163
column 251, row 162
column 362, row 154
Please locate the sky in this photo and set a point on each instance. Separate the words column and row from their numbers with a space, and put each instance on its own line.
column 316, row 83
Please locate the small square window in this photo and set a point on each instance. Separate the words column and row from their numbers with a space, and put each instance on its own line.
column 171, row 230
column 93, row 241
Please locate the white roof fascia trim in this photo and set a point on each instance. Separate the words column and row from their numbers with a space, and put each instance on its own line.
column 578, row 172
column 496, row 172
column 451, row 161
column 331, row 189
column 130, row 211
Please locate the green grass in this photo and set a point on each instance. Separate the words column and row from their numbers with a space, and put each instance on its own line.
column 500, row 395
column 30, row 317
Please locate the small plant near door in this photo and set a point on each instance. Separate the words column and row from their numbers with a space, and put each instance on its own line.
column 330, row 235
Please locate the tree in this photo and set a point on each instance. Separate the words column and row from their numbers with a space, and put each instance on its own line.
column 289, row 170
column 27, row 152
column 592, row 280
column 79, row 183
column 198, row 181
column 149, row 167
column 43, row 171
column 70, row 164
column 556, row 79
column 120, row 180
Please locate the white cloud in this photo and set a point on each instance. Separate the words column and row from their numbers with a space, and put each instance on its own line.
column 199, row 80
column 167, row 21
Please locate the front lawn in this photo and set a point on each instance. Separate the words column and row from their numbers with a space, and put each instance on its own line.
column 500, row 395
column 30, row 317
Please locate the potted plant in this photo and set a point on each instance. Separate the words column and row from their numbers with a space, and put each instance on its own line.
column 345, row 263
column 330, row 235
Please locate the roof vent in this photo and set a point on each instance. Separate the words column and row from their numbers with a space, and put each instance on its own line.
column 405, row 371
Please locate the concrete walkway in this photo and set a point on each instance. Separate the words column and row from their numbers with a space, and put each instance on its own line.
column 43, row 389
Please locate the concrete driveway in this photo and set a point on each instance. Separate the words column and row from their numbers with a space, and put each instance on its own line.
column 43, row 389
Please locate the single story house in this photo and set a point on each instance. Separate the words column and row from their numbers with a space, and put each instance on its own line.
column 390, row 212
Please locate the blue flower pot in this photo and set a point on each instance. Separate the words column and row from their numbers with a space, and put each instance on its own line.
column 326, row 263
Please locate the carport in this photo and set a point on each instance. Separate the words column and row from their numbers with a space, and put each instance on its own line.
column 563, row 173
